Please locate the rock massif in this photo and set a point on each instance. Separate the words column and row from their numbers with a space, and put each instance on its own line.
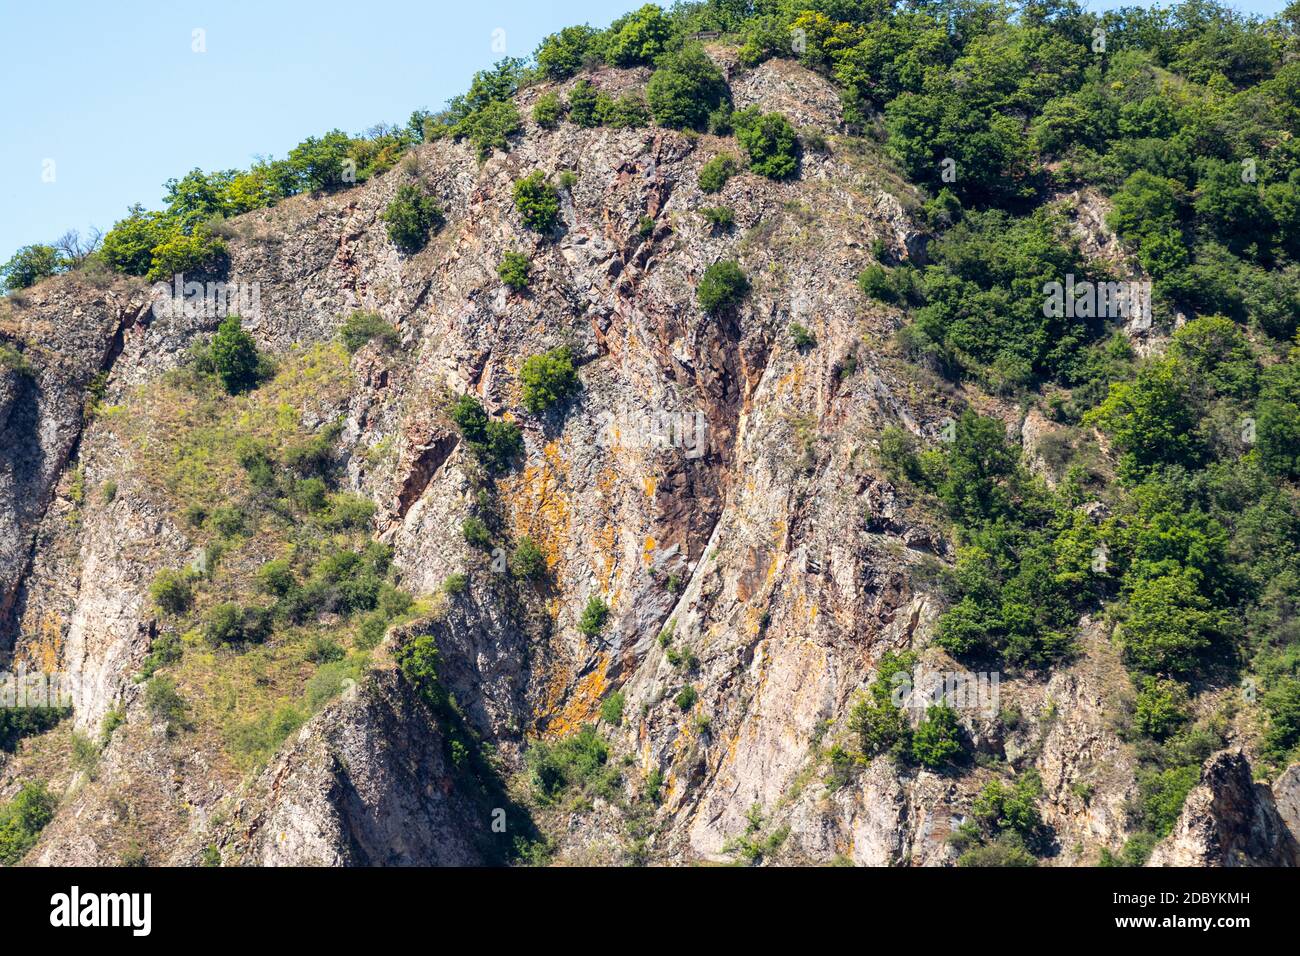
column 769, row 544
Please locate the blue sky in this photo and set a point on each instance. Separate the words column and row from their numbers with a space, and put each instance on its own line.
column 114, row 96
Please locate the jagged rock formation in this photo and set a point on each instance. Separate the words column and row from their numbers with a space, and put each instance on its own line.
column 796, row 564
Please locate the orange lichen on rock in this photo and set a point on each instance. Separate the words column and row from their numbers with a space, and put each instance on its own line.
column 538, row 506
column 565, row 710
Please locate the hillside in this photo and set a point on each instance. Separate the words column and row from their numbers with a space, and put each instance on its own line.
column 611, row 518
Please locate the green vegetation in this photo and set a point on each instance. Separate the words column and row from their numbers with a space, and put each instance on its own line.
column 803, row 339
column 611, row 709
column 686, row 89
column 30, row 265
column 529, row 561
column 172, row 592
column 575, row 767
column 770, row 142
column 234, row 356
column 538, row 202
column 548, row 110
column 22, row 819
column 514, row 269
column 411, row 216
column 548, row 378
column 723, row 284
column 495, row 443
column 715, row 173
column 593, row 617
column 936, row 742
column 362, row 327
column 719, row 217
column 880, row 724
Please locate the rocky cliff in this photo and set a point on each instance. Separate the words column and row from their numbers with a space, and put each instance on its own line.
column 767, row 563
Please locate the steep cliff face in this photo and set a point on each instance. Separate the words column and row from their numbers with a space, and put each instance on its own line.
column 768, row 547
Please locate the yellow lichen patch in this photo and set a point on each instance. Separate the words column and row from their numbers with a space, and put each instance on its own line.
column 581, row 705
column 648, row 550
column 650, row 485
column 603, row 559
column 538, row 506
column 43, row 651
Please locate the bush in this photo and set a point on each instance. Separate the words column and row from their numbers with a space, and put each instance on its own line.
column 528, row 561
column 411, row 216
column 1169, row 625
column 881, row 725
column 626, row 112
column 22, row 819
column 723, row 284
column 538, row 202
column 29, row 265
column 454, row 583
column 490, row 127
column 579, row 762
column 1161, row 707
column 639, row 37
column 361, row 327
column 234, row 356
column 686, row 697
column 803, row 339
column 199, row 252
column 171, row 591
column 548, row 110
column 611, row 708
column 513, row 270
column 769, row 140
column 719, row 217
column 165, row 704
column 547, row 378
column 229, row 623
column 583, row 105
column 476, row 533
column 593, row 617
column 419, row 661
column 936, row 741
column 562, row 54
column 495, row 443
column 317, row 164
column 686, row 90
column 128, row 247
column 715, row 173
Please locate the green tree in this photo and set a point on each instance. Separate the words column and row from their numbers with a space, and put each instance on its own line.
column 547, row 378
column 513, row 270
column 30, row 265
column 936, row 742
column 538, row 202
column 593, row 617
column 412, row 216
column 770, row 142
column 234, row 355
column 686, row 89
column 723, row 284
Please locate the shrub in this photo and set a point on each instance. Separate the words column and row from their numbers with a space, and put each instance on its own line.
column 719, row 217
column 611, row 708
column 166, row 704
column 723, row 284
column 22, row 819
column 199, row 252
column 229, row 623
column 562, row 54
column 686, row 90
column 881, row 725
column 538, row 202
column 547, row 378
column 769, row 140
column 548, row 110
column 419, row 661
column 579, row 762
column 29, row 265
column 593, row 617
column 361, row 327
column 1169, row 625
column 454, row 584
column 490, row 127
column 715, row 173
column 1004, row 852
column 128, row 247
column 476, row 533
column 1161, row 707
column 528, row 561
column 627, row 112
column 513, row 270
column 803, row 339
column 639, row 37
column 234, row 356
column 495, row 443
column 686, row 697
column 935, row 742
column 320, row 163
column 583, row 102
column 411, row 216
column 171, row 591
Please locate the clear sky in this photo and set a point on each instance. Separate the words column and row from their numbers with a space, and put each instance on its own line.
column 107, row 99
